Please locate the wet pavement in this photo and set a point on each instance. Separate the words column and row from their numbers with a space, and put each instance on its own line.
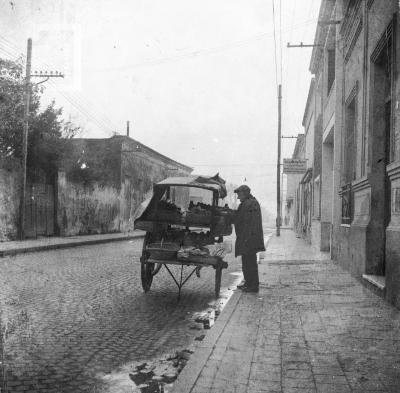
column 312, row 328
column 72, row 318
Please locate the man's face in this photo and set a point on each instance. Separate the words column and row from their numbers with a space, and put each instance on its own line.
column 242, row 195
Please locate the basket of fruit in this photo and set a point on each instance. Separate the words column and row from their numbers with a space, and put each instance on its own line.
column 193, row 218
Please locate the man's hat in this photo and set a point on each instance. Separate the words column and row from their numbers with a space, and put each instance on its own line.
column 243, row 187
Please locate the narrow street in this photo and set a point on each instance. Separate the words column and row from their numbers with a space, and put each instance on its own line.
column 74, row 315
column 140, row 140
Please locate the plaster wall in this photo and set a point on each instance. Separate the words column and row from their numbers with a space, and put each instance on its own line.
column 317, row 143
column 9, row 201
column 350, row 241
column 123, row 173
column 336, row 235
column 360, row 247
column 315, row 234
column 392, row 259
column 393, row 239
column 329, row 107
column 140, row 169
column 353, row 87
column 309, row 145
column 87, row 209
column 376, row 28
column 293, row 181
column 327, row 195
column 351, row 247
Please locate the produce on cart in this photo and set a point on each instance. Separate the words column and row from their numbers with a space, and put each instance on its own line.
column 182, row 231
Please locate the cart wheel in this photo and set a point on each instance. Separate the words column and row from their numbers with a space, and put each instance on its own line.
column 218, row 275
column 146, row 269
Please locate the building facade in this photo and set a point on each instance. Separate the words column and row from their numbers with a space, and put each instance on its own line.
column 292, row 183
column 356, row 161
column 366, row 231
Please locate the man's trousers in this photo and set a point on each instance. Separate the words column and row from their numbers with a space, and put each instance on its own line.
column 250, row 270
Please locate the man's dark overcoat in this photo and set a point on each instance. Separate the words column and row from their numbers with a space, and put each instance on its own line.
column 248, row 227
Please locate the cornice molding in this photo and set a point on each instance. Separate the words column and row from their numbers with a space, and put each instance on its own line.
column 353, row 9
column 353, row 93
column 360, row 184
column 350, row 41
column 393, row 170
column 385, row 37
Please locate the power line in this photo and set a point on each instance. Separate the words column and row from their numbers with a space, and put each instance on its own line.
column 309, row 12
column 8, row 53
column 79, row 103
column 195, row 53
column 74, row 100
column 72, row 96
column 82, row 110
column 88, row 112
column 198, row 52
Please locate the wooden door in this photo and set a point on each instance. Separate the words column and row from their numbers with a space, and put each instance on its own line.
column 39, row 210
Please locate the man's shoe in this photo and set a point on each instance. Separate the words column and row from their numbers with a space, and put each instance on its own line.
column 241, row 286
column 249, row 289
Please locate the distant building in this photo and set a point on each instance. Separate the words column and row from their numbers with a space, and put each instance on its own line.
column 99, row 185
column 292, row 184
column 104, row 181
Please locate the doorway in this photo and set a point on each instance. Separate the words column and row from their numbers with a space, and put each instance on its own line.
column 39, row 210
column 380, row 150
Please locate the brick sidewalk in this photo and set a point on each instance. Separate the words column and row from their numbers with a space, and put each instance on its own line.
column 53, row 243
column 311, row 329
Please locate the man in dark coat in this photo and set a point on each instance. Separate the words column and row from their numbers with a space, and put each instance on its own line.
column 249, row 237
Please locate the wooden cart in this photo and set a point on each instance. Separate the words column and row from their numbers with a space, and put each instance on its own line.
column 163, row 220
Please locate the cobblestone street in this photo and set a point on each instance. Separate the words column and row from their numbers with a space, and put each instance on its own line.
column 75, row 314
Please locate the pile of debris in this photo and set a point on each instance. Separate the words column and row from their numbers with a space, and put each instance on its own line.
column 158, row 376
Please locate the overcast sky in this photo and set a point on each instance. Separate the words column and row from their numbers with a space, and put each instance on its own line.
column 196, row 79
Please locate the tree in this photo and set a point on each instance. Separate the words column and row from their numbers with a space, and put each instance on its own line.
column 48, row 133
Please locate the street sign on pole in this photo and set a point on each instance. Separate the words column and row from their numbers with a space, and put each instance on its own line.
column 294, row 166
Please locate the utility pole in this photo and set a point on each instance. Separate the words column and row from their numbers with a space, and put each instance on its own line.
column 282, row 200
column 127, row 128
column 278, row 165
column 27, row 100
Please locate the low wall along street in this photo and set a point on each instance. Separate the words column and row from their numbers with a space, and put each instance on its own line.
column 98, row 188
column 9, row 201
column 87, row 209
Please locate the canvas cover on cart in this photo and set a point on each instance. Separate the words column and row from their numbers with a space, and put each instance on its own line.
column 214, row 184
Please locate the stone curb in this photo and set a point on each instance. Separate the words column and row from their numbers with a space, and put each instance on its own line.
column 189, row 375
column 67, row 244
